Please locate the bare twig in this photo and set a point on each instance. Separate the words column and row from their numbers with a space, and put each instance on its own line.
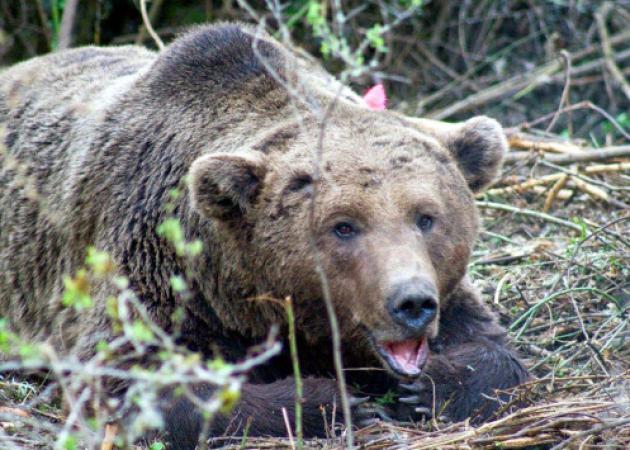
column 330, row 310
column 153, row 13
column 67, row 24
column 600, row 19
column 111, row 430
column 531, row 213
column 529, row 80
column 591, row 190
column 538, row 76
column 553, row 193
column 287, row 424
column 44, row 22
column 533, row 182
column 520, row 140
column 591, row 431
column 148, row 26
column 576, row 106
column 587, row 155
column 297, row 374
column 565, row 91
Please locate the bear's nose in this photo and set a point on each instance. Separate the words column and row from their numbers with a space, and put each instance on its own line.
column 413, row 305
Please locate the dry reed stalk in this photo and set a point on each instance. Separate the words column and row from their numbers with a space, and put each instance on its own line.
column 527, row 142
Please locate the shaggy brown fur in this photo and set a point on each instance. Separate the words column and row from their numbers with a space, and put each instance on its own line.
column 106, row 133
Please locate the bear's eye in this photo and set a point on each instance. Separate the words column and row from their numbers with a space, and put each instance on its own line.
column 424, row 222
column 299, row 182
column 344, row 230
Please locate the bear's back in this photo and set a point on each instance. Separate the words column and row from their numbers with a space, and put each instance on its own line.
column 72, row 73
column 50, row 110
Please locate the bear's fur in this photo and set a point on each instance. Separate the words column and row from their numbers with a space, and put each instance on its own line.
column 106, row 133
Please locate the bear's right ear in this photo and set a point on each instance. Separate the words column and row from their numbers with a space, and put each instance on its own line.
column 224, row 185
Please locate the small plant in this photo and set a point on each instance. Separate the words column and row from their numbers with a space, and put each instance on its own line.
column 389, row 398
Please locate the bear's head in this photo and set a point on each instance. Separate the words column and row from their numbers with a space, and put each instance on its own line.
column 371, row 208
column 381, row 205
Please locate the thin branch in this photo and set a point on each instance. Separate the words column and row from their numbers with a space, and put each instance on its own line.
column 67, row 24
column 529, row 80
column 148, row 26
column 45, row 24
column 600, row 19
column 528, row 142
column 330, row 310
column 592, row 431
column 531, row 213
column 580, row 105
column 588, row 155
column 553, row 193
column 153, row 13
column 297, row 374
column 565, row 91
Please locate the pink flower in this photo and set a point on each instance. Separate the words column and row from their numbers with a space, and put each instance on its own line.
column 375, row 97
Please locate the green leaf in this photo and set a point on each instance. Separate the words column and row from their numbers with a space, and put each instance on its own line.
column 77, row 291
column 194, row 248
column 141, row 332
column 375, row 38
column 69, row 443
column 178, row 283
column 100, row 262
column 314, row 15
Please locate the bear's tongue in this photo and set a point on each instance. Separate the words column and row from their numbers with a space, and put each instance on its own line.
column 409, row 355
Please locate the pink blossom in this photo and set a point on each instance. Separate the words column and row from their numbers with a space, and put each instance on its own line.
column 375, row 97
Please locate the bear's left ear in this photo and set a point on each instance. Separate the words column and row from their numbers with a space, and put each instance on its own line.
column 478, row 146
column 225, row 185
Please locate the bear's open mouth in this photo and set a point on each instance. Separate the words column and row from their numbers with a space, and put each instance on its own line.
column 406, row 358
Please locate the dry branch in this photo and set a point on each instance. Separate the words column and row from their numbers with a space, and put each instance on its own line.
column 533, row 182
column 553, row 193
column 587, row 155
column 563, row 194
column 600, row 18
column 528, row 142
column 537, row 77
column 530, row 80
column 525, row 185
column 156, row 5
column 147, row 25
column 529, row 212
column 67, row 24
column 111, row 430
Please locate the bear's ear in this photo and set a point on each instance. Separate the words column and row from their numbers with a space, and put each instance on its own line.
column 478, row 146
column 224, row 185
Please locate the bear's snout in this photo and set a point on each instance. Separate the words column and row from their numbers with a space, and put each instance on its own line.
column 413, row 305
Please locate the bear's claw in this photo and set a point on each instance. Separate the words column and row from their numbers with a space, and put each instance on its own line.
column 416, row 387
column 411, row 400
column 423, row 410
column 419, row 397
column 356, row 401
column 369, row 413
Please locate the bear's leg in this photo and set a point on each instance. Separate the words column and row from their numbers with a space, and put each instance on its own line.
column 457, row 382
column 469, row 359
column 259, row 410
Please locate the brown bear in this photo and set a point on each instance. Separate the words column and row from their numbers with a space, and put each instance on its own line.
column 285, row 167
